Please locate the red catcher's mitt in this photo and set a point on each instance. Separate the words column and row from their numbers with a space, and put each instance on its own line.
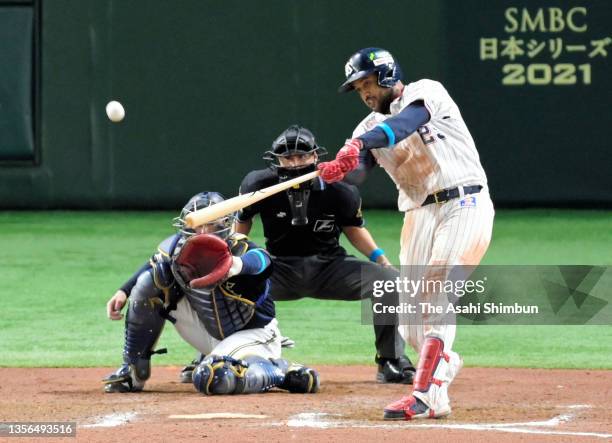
column 204, row 260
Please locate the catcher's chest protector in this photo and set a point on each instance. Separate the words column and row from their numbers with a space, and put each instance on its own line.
column 224, row 310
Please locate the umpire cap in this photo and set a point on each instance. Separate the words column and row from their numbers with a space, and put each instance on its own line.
column 369, row 61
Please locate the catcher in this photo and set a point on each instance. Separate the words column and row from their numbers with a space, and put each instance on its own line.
column 213, row 285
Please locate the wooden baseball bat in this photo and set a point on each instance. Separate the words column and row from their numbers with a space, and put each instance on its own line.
column 206, row 215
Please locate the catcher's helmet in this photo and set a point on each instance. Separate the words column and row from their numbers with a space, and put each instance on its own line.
column 293, row 140
column 221, row 227
column 369, row 61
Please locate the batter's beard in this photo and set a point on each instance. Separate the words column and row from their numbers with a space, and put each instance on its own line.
column 385, row 103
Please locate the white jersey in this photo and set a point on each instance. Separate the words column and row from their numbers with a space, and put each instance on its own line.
column 440, row 155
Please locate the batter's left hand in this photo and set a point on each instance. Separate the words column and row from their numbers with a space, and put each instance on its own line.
column 348, row 156
column 331, row 172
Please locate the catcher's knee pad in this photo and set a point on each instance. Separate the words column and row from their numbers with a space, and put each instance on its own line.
column 227, row 375
column 219, row 375
column 143, row 324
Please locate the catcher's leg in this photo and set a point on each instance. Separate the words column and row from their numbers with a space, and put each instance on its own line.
column 249, row 361
column 143, row 326
column 191, row 329
column 253, row 374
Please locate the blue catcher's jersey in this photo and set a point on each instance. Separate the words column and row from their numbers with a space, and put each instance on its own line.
column 240, row 302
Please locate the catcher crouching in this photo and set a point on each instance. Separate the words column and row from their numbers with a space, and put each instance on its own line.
column 213, row 285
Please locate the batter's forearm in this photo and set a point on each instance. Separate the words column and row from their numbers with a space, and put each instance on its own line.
column 396, row 128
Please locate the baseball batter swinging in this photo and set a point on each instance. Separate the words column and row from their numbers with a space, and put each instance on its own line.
column 416, row 133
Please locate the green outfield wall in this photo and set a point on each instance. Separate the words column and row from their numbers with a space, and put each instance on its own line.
column 208, row 85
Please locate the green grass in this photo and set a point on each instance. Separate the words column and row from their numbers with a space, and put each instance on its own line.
column 58, row 269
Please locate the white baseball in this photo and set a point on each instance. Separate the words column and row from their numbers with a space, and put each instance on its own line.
column 115, row 111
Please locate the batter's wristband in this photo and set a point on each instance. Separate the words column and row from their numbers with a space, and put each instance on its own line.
column 375, row 254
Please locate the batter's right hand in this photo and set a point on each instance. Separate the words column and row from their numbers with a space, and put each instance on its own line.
column 331, row 171
column 115, row 304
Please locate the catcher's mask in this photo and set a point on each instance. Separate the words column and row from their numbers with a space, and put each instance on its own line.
column 221, row 227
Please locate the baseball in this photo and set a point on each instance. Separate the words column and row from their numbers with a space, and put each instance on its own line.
column 115, row 111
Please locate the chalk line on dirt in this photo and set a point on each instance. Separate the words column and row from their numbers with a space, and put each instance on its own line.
column 327, row 421
column 216, row 415
column 111, row 420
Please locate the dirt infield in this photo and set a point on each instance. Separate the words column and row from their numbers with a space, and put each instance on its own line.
column 500, row 404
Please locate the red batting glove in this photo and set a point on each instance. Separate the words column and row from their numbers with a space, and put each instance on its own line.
column 348, row 156
column 331, row 171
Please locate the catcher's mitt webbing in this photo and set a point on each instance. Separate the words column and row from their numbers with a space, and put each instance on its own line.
column 204, row 260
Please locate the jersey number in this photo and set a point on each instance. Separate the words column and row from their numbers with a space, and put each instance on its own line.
column 426, row 135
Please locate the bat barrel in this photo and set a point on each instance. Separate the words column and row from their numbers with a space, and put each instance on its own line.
column 234, row 204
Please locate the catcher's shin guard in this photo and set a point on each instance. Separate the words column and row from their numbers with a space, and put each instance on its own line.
column 227, row 375
column 143, row 326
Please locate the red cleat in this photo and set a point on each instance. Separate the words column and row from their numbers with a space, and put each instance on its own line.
column 410, row 407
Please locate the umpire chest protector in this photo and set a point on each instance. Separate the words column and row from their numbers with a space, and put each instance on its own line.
column 328, row 209
column 231, row 305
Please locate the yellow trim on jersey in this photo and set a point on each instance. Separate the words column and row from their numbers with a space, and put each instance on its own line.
column 214, row 301
column 233, row 295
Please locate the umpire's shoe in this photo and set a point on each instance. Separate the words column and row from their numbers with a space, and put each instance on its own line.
column 122, row 380
column 300, row 379
column 398, row 370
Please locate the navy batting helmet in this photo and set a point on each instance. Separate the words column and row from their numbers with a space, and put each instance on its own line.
column 293, row 140
column 221, row 227
column 369, row 61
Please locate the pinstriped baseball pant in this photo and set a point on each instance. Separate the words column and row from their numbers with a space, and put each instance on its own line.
column 457, row 232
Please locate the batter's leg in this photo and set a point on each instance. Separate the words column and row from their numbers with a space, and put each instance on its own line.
column 461, row 237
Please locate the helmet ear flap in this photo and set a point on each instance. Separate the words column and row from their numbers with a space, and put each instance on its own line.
column 389, row 76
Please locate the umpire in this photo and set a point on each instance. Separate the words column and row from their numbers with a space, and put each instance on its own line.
column 302, row 229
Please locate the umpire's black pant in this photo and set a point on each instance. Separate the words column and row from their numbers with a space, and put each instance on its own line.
column 339, row 277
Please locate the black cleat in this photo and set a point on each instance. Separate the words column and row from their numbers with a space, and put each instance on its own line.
column 399, row 371
column 300, row 379
column 123, row 380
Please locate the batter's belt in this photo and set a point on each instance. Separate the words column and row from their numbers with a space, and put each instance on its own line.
column 448, row 194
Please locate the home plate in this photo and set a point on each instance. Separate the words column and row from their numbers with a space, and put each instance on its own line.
column 214, row 415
